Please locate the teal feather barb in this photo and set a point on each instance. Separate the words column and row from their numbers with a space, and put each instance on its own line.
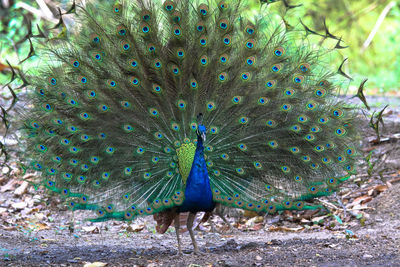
column 112, row 122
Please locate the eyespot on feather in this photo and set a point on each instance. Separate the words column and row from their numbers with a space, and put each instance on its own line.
column 250, row 29
column 169, row 6
column 279, row 51
column 203, row 10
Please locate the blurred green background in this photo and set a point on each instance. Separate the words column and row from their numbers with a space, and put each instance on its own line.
column 375, row 56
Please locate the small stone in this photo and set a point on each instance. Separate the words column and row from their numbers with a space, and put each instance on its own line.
column 40, row 216
column 25, row 212
column 258, row 258
column 36, row 199
column 30, row 202
column 19, row 205
column 367, row 256
column 5, row 170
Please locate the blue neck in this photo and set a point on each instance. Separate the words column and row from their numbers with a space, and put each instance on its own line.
column 198, row 195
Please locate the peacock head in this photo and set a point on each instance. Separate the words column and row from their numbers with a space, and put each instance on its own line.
column 201, row 129
column 201, row 132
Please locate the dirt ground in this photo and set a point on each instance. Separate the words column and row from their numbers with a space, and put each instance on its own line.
column 367, row 234
column 375, row 244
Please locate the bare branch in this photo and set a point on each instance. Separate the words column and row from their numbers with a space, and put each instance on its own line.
column 35, row 11
column 378, row 23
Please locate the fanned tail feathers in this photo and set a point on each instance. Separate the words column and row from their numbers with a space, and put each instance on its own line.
column 107, row 117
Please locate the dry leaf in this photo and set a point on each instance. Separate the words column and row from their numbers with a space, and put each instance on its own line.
column 254, row 220
column 95, row 264
column 41, row 226
column 378, row 188
column 8, row 186
column 92, row 229
column 21, row 189
column 257, row 226
column 360, row 200
column 135, row 227
column 284, row 229
column 320, row 218
column 381, row 188
column 4, row 67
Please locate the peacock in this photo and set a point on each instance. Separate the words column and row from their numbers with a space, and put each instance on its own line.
column 159, row 108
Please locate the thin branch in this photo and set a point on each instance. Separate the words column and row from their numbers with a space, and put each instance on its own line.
column 45, row 9
column 35, row 11
column 341, row 209
column 378, row 23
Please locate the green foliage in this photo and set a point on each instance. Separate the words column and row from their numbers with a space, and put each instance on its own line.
column 12, row 31
column 354, row 21
column 15, row 21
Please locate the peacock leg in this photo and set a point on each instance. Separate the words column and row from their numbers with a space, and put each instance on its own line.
column 177, row 226
column 191, row 217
